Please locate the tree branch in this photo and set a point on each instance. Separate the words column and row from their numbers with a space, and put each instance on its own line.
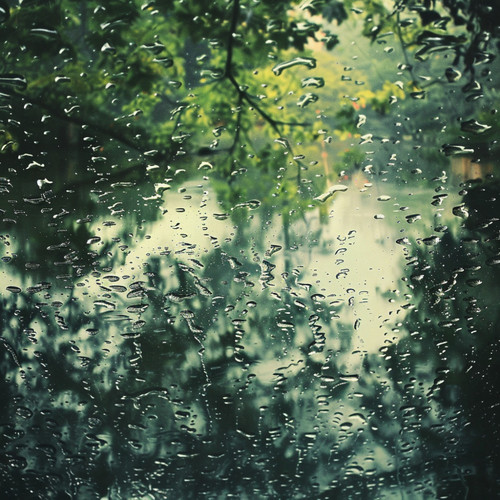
column 403, row 47
column 238, row 125
column 109, row 132
column 243, row 95
column 230, row 38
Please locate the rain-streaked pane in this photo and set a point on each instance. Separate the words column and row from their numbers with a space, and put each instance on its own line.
column 250, row 249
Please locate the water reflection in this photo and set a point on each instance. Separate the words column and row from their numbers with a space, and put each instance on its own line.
column 188, row 354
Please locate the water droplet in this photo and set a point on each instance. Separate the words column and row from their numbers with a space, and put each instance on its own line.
column 431, row 240
column 221, row 216
column 361, row 121
column 452, row 74
column 474, row 282
column 273, row 250
column 460, row 211
column 251, row 204
column 474, row 127
column 313, row 81
column 331, row 191
column 155, row 48
column 306, row 99
column 62, row 79
column 105, row 303
column 13, row 80
column 45, row 33
column 137, row 308
column 494, row 261
column 413, row 218
column 418, row 95
column 187, row 314
column 303, row 61
column 455, row 149
column 43, row 182
column 107, row 48
column 4, row 12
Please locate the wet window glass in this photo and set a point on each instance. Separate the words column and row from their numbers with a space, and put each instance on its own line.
column 249, row 249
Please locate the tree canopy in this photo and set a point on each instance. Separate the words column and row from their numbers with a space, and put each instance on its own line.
column 167, row 79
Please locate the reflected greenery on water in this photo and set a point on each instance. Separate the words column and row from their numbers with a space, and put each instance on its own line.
column 249, row 249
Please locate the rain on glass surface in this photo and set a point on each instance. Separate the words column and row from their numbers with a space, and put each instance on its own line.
column 249, row 249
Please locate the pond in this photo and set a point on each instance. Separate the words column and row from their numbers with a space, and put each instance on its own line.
column 280, row 314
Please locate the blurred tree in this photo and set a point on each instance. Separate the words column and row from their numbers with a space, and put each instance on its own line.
column 149, row 77
column 153, row 371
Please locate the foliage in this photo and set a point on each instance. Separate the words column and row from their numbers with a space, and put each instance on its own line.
column 217, row 347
